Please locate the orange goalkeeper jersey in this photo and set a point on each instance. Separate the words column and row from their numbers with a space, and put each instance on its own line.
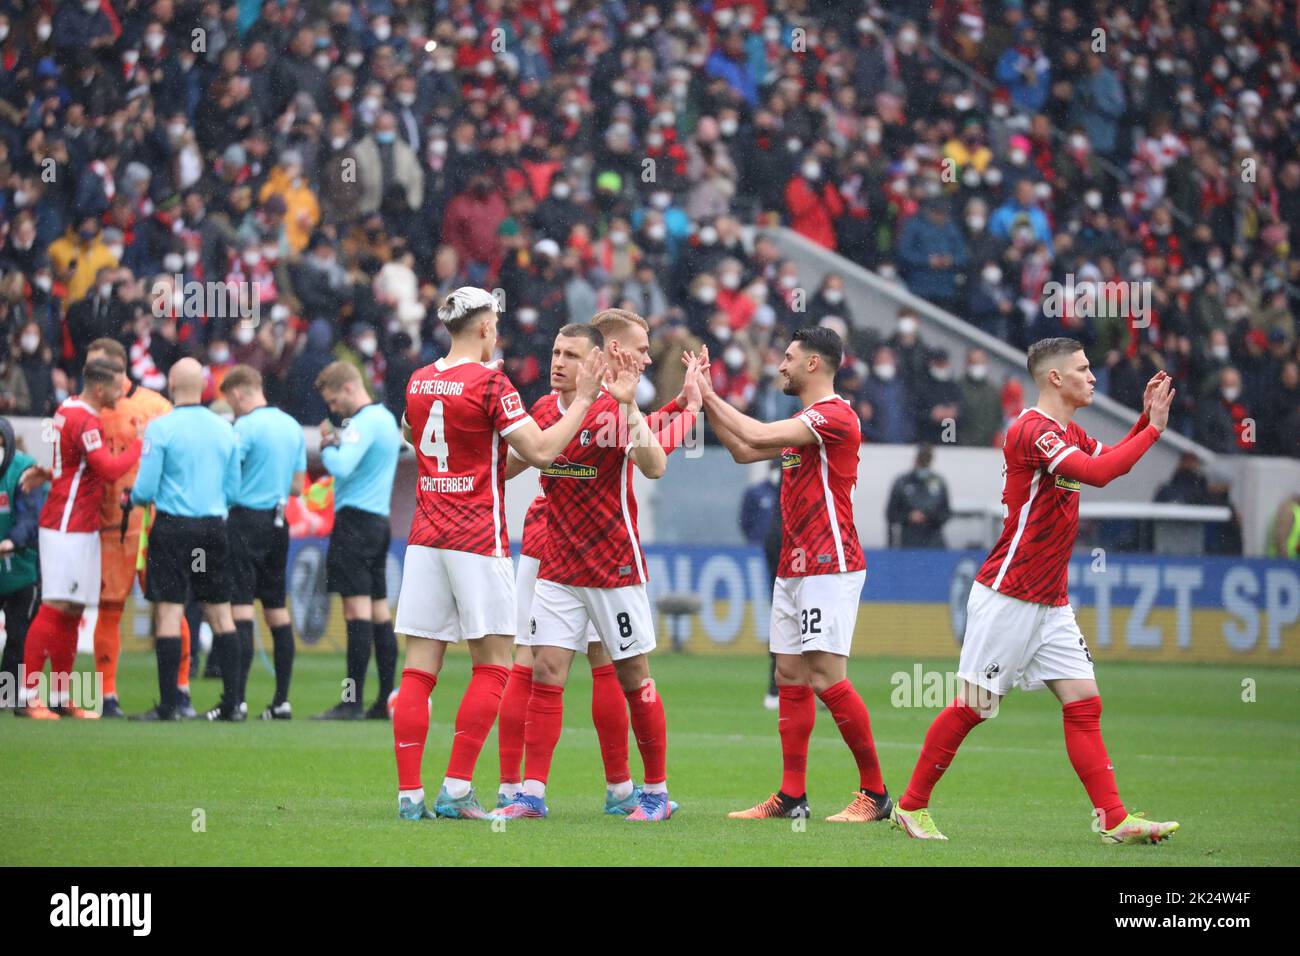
column 138, row 404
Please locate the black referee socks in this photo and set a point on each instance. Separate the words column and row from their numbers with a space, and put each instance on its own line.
column 244, row 630
column 385, row 659
column 360, row 637
column 282, row 637
column 226, row 649
column 168, row 651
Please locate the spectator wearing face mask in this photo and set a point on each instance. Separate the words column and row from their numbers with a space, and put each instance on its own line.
column 361, row 350
column 1025, row 71
column 78, row 256
column 97, row 315
column 884, row 405
column 938, row 401
column 991, row 306
column 981, row 403
column 1021, row 211
column 908, row 349
column 918, row 505
column 386, row 161
column 830, row 300
column 1221, row 418
column 1097, row 105
column 812, row 204
column 321, row 281
column 36, row 362
column 933, row 254
column 732, row 377
column 302, row 211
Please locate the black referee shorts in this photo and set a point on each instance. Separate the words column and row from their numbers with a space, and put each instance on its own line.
column 188, row 555
column 259, row 556
column 357, row 563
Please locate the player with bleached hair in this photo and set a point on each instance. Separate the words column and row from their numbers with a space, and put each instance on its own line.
column 458, row 582
column 1020, row 628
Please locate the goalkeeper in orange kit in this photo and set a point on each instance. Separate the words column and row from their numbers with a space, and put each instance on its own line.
column 120, row 536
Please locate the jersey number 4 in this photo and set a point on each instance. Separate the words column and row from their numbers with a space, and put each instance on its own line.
column 433, row 442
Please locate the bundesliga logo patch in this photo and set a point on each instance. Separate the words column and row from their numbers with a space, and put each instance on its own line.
column 512, row 405
column 92, row 440
column 1049, row 444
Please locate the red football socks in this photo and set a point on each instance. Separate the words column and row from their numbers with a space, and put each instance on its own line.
column 1088, row 755
column 797, row 715
column 609, row 714
column 510, row 722
column 52, row 634
column 477, row 712
column 850, row 715
column 650, row 724
column 411, row 725
column 943, row 738
column 542, row 729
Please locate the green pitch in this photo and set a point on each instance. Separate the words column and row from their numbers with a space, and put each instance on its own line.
column 1185, row 744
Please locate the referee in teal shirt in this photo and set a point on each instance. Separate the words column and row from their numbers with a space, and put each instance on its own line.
column 189, row 470
column 273, row 465
column 363, row 460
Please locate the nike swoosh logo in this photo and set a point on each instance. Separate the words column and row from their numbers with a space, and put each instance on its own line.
column 623, row 647
column 402, row 746
column 807, row 639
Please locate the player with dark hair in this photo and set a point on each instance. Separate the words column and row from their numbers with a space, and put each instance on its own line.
column 273, row 467
column 1020, row 628
column 609, row 710
column 458, row 582
column 821, row 573
column 81, row 466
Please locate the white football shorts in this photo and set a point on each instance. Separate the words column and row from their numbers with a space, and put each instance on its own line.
column 1013, row 643
column 525, row 584
column 69, row 566
column 455, row 596
column 815, row 613
column 563, row 613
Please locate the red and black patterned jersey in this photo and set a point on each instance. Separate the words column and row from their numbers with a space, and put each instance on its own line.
column 817, row 483
column 81, row 466
column 591, row 533
column 675, row 420
column 459, row 415
column 546, row 412
column 1031, row 559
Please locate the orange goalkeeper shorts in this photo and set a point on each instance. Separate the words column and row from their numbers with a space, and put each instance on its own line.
column 117, row 560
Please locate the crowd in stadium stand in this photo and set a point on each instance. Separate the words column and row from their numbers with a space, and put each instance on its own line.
column 357, row 161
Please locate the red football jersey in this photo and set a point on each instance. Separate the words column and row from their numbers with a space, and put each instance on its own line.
column 81, row 466
column 591, row 535
column 459, row 415
column 1041, row 510
column 546, row 412
column 817, row 483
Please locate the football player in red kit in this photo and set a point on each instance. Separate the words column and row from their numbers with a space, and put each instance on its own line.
column 671, row 424
column 81, row 467
column 592, row 572
column 1020, row 628
column 821, row 572
column 458, row 582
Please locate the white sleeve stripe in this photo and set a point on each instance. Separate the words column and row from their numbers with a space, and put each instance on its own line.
column 509, row 428
column 1098, row 449
column 811, row 427
column 1051, row 467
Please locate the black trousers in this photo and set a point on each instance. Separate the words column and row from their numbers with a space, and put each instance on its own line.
column 19, row 607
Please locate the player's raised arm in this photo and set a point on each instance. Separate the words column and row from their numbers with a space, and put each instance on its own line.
column 539, row 447
column 1114, row 462
column 643, row 447
column 741, row 452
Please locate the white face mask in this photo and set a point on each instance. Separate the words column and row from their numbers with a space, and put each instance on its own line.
column 561, row 190
column 975, row 223
column 219, row 356
column 1220, row 352
column 338, row 142
column 728, row 127
column 706, row 294
column 43, row 31
column 907, row 326
column 153, row 41
column 883, row 372
column 343, row 93
column 789, row 281
column 977, row 373
column 730, row 280
column 251, row 258
column 406, row 99
column 734, row 359
column 367, row 347
column 992, row 275
column 322, row 61
column 173, row 262
column 833, row 296
column 618, row 238
column 940, row 373
column 1231, row 394
column 244, row 334
column 661, row 200
column 871, row 136
column 656, row 231
column 812, row 171
column 44, row 283
column 30, row 343
column 116, row 249
column 708, row 235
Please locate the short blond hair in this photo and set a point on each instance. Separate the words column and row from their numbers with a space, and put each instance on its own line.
column 241, row 376
column 610, row 322
column 336, row 375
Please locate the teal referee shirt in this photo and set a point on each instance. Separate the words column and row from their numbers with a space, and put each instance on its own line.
column 271, row 451
column 189, row 464
column 364, row 462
